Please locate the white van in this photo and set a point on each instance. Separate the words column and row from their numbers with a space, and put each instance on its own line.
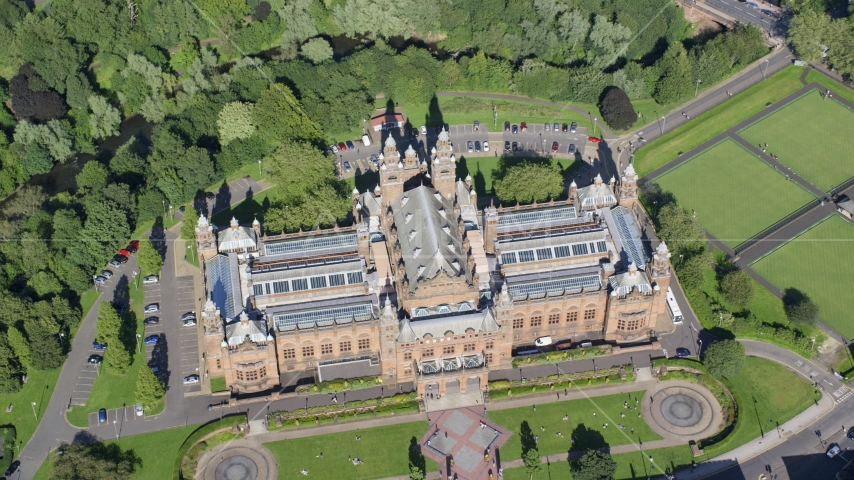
column 366, row 141
column 584, row 345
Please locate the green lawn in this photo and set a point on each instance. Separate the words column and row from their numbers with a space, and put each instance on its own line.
column 582, row 425
column 816, row 147
column 157, row 451
column 218, row 384
column 111, row 391
column 87, row 300
column 482, row 169
column 833, row 85
column 734, row 193
column 384, row 451
column 707, row 125
column 246, row 210
column 39, row 389
column 766, row 390
column 629, row 465
column 805, row 263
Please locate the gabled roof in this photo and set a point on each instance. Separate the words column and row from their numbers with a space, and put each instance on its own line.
column 597, row 195
column 237, row 330
column 427, row 231
column 624, row 283
column 412, row 330
column 222, row 282
column 626, row 234
column 236, row 237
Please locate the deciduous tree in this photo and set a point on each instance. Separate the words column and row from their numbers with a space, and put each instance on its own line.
column 594, row 465
column 149, row 389
column 108, row 325
column 235, row 122
column 149, row 260
column 188, row 227
column 529, row 182
column 105, row 119
column 802, row 312
column 95, row 461
column 724, row 358
column 19, row 345
column 317, row 50
column 737, row 289
column 617, row 110
column 93, row 175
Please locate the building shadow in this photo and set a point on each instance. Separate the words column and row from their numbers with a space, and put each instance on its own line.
column 158, row 237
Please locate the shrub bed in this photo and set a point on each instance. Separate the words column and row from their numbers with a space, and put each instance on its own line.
column 562, row 356
column 336, row 386
column 515, row 388
column 397, row 405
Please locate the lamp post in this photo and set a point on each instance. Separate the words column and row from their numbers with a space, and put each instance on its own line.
column 697, row 88
column 594, row 126
column 700, row 353
column 681, row 258
column 97, row 370
column 116, row 429
column 721, row 321
column 136, row 283
column 765, row 73
column 137, row 344
column 34, row 411
column 60, row 339
column 95, row 283
column 259, row 169
column 170, row 214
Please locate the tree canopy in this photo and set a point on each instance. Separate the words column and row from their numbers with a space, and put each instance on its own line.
column 528, row 182
column 737, row 289
column 724, row 358
column 617, row 110
column 594, row 465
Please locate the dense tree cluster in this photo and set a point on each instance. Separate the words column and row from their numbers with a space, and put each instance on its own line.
column 95, row 461
column 724, row 358
column 617, row 109
column 529, row 182
column 816, row 37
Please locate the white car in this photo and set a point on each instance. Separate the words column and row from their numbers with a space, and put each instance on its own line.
column 834, row 451
column 151, row 308
column 423, row 130
column 189, row 322
column 485, row 146
column 149, row 280
column 191, row 380
column 138, row 410
column 334, row 148
column 543, row 341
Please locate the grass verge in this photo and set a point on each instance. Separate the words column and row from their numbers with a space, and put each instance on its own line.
column 726, row 115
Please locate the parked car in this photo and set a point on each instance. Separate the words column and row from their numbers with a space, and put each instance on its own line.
column 573, row 127
column 346, row 166
column 122, row 259
column 132, row 249
column 115, row 263
column 102, row 416
column 188, row 315
column 594, row 139
column 106, row 274
column 151, row 308
column 375, row 160
column 470, row 147
column 506, row 126
column 476, row 126
column 485, row 146
column 556, row 127
column 189, row 322
column 851, row 433
column 342, row 146
column 476, row 146
column 138, row 410
column 515, row 146
column 210, row 196
column 99, row 346
column 543, row 341
column 124, row 252
column 834, row 450
column 515, row 129
column 134, row 244
column 548, row 127
column 524, row 127
column 554, row 147
column 95, row 359
column 151, row 321
column 507, row 145
column 334, row 148
column 571, row 150
column 423, row 130
column 13, row 467
column 564, row 127
column 564, row 345
column 99, row 280
column 150, row 280
column 350, row 145
column 191, row 380
column 683, row 352
column 151, row 340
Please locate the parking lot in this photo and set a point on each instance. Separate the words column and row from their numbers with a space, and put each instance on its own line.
column 188, row 336
column 536, row 140
column 118, row 415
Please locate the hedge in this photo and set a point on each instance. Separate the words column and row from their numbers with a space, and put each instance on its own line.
column 562, row 356
column 341, row 385
column 344, row 414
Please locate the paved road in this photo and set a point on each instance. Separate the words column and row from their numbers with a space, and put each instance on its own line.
column 742, row 12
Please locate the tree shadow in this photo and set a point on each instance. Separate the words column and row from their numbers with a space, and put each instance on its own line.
column 416, row 458
column 84, row 437
column 158, row 237
column 793, row 296
column 121, row 294
column 584, row 438
column 526, row 437
column 160, row 359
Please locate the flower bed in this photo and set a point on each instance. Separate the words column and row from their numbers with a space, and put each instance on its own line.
column 507, row 389
column 562, row 356
column 336, row 386
column 396, row 405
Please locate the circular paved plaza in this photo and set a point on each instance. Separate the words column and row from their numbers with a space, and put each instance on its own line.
column 682, row 409
column 238, row 460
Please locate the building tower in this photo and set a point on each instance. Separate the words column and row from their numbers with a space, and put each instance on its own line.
column 205, row 238
column 490, row 228
column 394, row 173
column 627, row 192
column 660, row 268
column 444, row 166
column 212, row 323
column 388, row 341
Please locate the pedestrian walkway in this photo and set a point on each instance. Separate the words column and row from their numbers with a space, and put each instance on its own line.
column 759, row 445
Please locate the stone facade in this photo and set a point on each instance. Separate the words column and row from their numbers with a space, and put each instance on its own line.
column 407, row 294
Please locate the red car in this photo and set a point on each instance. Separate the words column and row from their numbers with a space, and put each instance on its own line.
column 124, row 253
column 524, row 127
column 134, row 244
column 554, row 147
column 594, row 139
column 342, row 146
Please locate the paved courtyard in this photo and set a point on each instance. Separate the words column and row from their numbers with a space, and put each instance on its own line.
column 237, row 460
column 679, row 409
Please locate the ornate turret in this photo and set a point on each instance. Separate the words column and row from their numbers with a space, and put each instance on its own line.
column 211, row 319
column 205, row 238
column 410, row 158
column 573, row 192
column 627, row 192
column 444, row 166
column 661, row 262
column 256, row 225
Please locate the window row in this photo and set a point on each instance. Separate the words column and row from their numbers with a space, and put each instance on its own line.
column 554, row 319
column 326, row 348
column 549, row 253
column 250, row 375
column 633, row 324
column 300, row 284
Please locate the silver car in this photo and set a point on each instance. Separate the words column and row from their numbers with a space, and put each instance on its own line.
column 191, row 380
column 151, row 308
column 149, row 280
